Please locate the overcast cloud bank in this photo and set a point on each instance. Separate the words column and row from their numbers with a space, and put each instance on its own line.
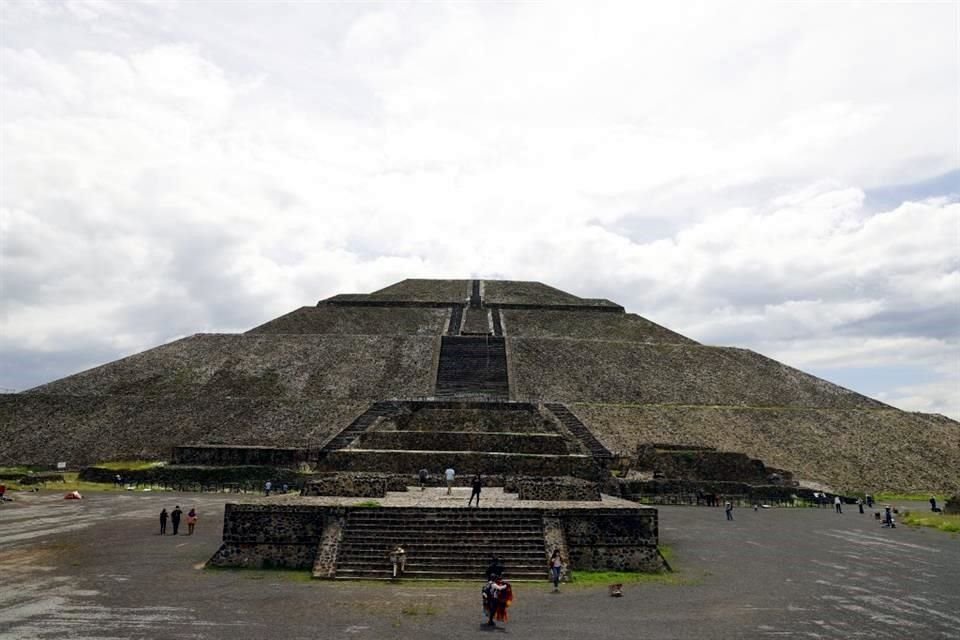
column 777, row 177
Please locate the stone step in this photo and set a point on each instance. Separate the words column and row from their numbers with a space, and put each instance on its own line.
column 485, row 548
column 385, row 574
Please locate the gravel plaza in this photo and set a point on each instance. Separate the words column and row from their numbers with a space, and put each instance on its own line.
column 97, row 568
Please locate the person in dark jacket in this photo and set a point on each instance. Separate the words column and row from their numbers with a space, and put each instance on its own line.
column 175, row 519
column 477, row 484
column 163, row 521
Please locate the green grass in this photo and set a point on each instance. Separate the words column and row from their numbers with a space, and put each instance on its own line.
column 367, row 503
column 949, row 523
column 908, row 497
column 130, row 465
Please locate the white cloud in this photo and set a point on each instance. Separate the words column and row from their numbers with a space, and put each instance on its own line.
column 179, row 168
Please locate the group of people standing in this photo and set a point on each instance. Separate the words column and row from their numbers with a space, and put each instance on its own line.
column 175, row 517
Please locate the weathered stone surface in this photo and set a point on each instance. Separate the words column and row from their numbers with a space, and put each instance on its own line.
column 839, row 448
column 346, row 320
column 232, row 455
column 587, row 325
column 464, row 441
column 557, row 489
column 643, row 373
column 265, row 365
column 465, row 462
column 701, row 465
column 363, row 485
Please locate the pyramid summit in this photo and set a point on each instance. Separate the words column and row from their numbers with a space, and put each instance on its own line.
column 305, row 379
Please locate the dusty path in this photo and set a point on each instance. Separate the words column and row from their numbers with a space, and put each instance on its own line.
column 98, row 569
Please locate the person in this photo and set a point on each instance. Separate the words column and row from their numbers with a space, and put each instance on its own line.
column 117, row 480
column 837, row 503
column 163, row 521
column 933, row 505
column 450, row 473
column 494, row 569
column 3, row 491
column 869, row 501
column 267, row 486
column 556, row 567
column 175, row 519
column 728, row 508
column 888, row 518
column 860, row 505
column 423, row 475
column 497, row 597
column 476, row 485
column 191, row 521
column 286, row 487
column 398, row 558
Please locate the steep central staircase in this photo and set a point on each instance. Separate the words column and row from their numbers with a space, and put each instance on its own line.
column 359, row 425
column 442, row 543
column 472, row 367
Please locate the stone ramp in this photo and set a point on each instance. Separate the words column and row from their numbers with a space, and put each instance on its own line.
column 442, row 543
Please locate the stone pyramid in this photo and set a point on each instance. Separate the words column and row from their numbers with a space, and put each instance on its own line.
column 302, row 379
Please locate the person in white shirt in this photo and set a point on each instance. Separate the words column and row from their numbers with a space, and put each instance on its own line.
column 449, row 473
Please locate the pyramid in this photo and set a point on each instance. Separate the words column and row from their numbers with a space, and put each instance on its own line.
column 306, row 378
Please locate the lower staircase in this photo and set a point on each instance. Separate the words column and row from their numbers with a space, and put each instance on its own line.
column 578, row 429
column 359, row 425
column 442, row 543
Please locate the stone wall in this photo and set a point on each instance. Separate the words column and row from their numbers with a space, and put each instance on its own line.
column 839, row 448
column 360, row 485
column 463, row 441
column 226, row 456
column 464, row 462
column 177, row 476
column 557, row 489
column 611, row 539
column 498, row 418
column 307, row 536
column 701, row 465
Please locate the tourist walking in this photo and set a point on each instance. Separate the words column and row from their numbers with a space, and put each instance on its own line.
column 450, row 474
column 497, row 598
column 163, row 521
column 267, row 486
column 933, row 505
column 398, row 558
column 860, row 505
column 191, row 521
column 175, row 519
column 728, row 508
column 556, row 568
column 423, row 475
column 888, row 517
column 476, row 485
column 869, row 501
column 837, row 504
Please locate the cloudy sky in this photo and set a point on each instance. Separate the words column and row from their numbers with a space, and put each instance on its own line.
column 778, row 176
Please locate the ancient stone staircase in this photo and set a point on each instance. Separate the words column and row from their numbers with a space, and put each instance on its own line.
column 360, row 424
column 456, row 319
column 442, row 543
column 578, row 429
column 472, row 367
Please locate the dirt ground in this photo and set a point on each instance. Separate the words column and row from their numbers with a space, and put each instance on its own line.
column 97, row 568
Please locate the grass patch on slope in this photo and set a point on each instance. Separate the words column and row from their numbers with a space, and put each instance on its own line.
column 907, row 497
column 944, row 522
column 130, row 465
